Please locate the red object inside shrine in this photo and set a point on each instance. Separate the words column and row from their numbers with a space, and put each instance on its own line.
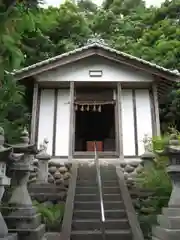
column 90, row 146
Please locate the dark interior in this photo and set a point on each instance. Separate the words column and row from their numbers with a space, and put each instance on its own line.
column 95, row 126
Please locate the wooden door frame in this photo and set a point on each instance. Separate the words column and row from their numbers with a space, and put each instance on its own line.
column 74, row 153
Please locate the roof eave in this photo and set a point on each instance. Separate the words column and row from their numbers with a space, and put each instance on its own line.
column 90, row 50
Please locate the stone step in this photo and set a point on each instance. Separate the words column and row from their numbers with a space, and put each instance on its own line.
column 103, row 173
column 96, row 214
column 29, row 234
column 96, row 205
column 86, row 183
column 94, row 183
column 111, row 190
column 97, row 235
column 105, row 190
column 107, row 171
column 94, row 224
column 95, row 197
column 92, row 179
column 28, row 222
column 86, row 190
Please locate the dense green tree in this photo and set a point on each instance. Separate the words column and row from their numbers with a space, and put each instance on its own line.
column 12, row 107
column 87, row 6
column 127, row 25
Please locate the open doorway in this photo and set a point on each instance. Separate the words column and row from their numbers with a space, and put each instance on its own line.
column 94, row 125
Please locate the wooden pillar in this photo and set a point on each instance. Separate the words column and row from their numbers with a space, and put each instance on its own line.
column 119, row 110
column 55, row 122
column 71, row 122
column 156, row 109
column 34, row 113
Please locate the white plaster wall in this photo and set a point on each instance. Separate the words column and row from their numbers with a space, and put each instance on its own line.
column 144, row 121
column 128, row 123
column 46, row 118
column 79, row 71
column 62, row 123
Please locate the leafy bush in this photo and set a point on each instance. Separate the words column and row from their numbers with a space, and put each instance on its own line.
column 159, row 143
column 52, row 215
column 156, row 179
column 158, row 182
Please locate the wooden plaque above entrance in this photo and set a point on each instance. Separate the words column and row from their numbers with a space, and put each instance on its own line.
column 96, row 94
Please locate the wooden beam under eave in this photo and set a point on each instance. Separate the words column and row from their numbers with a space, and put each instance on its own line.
column 156, row 109
column 34, row 113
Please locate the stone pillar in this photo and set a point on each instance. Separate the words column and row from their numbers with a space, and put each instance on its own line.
column 169, row 220
column 21, row 216
column 148, row 156
column 4, row 181
column 43, row 159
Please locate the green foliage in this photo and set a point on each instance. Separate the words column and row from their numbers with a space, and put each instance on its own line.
column 160, row 142
column 13, row 111
column 52, row 215
column 156, row 179
column 13, row 114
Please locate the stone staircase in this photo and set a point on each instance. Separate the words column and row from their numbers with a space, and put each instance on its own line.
column 86, row 218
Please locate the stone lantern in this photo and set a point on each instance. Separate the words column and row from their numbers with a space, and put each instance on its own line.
column 148, row 156
column 21, row 167
column 169, row 220
column 22, row 216
column 174, row 170
column 4, row 181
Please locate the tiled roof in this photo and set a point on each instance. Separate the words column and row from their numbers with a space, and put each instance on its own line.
column 103, row 47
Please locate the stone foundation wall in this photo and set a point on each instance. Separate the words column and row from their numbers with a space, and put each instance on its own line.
column 130, row 170
column 59, row 174
column 58, row 182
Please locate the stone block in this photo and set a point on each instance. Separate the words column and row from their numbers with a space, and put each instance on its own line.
column 169, row 222
column 165, row 234
column 18, row 212
column 129, row 169
column 10, row 236
column 52, row 169
column 30, row 234
column 24, row 222
column 171, row 212
column 52, row 236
